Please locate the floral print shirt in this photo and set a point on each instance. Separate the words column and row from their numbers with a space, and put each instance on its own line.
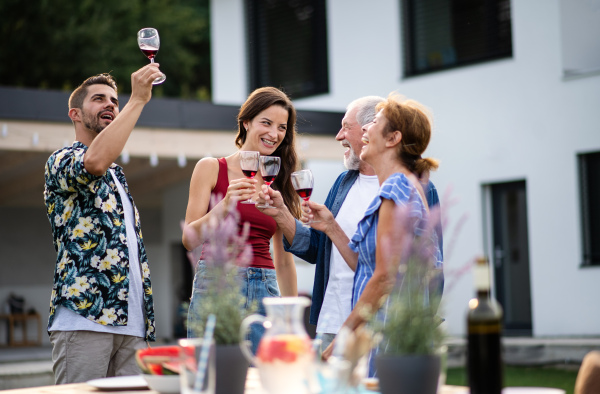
column 85, row 211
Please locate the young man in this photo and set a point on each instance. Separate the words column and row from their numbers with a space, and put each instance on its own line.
column 101, row 308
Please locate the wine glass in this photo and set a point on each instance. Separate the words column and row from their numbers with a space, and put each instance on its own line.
column 303, row 181
column 249, row 164
column 149, row 42
column 269, row 167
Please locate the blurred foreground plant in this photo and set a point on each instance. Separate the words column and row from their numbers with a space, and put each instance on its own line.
column 408, row 318
column 224, row 251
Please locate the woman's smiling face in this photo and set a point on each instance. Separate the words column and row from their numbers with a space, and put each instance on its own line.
column 374, row 137
column 266, row 131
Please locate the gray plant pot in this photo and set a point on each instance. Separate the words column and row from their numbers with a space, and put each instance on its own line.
column 232, row 368
column 408, row 374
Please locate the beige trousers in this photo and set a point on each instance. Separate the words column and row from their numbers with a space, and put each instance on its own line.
column 79, row 356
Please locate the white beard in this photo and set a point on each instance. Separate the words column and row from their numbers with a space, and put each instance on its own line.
column 352, row 161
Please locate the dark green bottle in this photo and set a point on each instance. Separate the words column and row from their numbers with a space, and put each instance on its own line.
column 484, row 329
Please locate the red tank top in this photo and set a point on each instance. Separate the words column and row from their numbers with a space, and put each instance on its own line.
column 262, row 227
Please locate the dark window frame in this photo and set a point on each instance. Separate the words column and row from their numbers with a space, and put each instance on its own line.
column 410, row 37
column 258, row 63
column 589, row 196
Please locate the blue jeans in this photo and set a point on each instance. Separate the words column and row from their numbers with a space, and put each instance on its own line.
column 255, row 284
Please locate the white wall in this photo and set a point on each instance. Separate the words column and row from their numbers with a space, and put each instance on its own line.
column 498, row 121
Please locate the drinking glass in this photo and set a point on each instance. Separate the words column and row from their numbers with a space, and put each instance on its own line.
column 149, row 42
column 249, row 163
column 303, row 181
column 269, row 168
column 192, row 366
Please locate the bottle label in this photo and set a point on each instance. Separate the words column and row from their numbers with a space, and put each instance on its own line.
column 481, row 276
column 484, row 328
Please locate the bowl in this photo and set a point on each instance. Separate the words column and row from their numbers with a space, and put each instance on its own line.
column 163, row 383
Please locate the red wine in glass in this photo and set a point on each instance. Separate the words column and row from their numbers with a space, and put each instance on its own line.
column 249, row 165
column 304, row 193
column 149, row 51
column 269, row 168
column 269, row 179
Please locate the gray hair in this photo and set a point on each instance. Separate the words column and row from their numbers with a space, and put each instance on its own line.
column 365, row 108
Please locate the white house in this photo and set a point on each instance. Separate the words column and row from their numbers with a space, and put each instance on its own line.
column 514, row 86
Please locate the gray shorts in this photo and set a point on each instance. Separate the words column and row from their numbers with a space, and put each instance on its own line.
column 79, row 356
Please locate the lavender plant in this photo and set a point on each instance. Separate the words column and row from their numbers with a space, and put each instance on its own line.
column 224, row 250
column 408, row 322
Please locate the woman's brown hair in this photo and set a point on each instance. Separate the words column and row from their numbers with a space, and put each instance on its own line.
column 412, row 119
column 258, row 101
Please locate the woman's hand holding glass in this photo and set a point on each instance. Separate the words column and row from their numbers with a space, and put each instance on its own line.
column 273, row 199
column 241, row 189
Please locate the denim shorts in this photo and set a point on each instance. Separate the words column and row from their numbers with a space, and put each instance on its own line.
column 255, row 284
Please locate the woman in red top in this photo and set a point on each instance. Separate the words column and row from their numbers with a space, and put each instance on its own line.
column 266, row 123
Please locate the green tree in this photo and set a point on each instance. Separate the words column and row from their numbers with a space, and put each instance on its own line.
column 56, row 44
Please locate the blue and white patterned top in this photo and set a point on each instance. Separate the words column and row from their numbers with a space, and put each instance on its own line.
column 400, row 190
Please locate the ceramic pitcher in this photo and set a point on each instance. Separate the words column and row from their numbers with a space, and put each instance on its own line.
column 284, row 355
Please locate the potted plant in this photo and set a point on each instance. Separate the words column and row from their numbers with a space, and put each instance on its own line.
column 407, row 361
column 224, row 251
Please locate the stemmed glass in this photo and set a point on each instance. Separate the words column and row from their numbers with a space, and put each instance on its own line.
column 149, row 42
column 303, row 184
column 269, row 167
column 249, row 164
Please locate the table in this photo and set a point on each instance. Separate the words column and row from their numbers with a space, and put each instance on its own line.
column 13, row 318
column 252, row 387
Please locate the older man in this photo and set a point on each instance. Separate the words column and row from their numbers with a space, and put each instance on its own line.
column 347, row 200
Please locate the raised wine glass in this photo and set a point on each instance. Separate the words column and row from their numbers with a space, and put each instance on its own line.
column 249, row 164
column 269, row 168
column 303, row 181
column 149, row 42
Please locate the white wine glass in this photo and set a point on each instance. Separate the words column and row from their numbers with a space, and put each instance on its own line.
column 249, row 164
column 149, row 43
column 303, row 181
column 269, row 168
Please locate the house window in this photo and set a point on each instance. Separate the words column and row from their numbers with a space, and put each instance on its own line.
column 579, row 36
column 443, row 34
column 589, row 179
column 288, row 46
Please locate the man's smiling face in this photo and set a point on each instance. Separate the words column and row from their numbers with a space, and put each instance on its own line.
column 100, row 107
column 350, row 136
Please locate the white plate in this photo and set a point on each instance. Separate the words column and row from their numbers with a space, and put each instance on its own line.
column 119, row 383
column 163, row 383
column 531, row 390
column 506, row 390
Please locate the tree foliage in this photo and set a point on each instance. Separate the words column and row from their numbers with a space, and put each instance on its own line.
column 56, row 44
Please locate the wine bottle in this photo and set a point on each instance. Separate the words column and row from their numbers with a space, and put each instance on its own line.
column 484, row 329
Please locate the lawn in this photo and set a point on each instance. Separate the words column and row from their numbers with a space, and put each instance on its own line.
column 525, row 376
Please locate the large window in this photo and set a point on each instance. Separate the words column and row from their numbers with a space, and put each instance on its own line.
column 288, row 45
column 442, row 34
column 589, row 178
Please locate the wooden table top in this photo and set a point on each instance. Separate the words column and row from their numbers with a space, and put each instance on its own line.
column 252, row 387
